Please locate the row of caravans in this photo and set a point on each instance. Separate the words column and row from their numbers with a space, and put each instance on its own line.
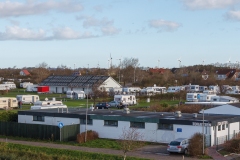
column 209, row 97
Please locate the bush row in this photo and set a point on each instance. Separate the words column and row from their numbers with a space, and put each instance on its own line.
column 8, row 116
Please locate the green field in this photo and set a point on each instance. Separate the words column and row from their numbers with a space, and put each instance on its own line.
column 141, row 101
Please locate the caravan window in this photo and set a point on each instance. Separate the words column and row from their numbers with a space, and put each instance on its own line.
column 110, row 123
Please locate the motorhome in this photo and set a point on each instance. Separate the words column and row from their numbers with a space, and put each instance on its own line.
column 48, row 104
column 174, row 89
column 8, row 102
column 153, row 90
column 125, row 99
column 28, row 99
column 76, row 94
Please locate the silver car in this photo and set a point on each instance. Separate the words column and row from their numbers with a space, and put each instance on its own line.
column 113, row 104
column 179, row 145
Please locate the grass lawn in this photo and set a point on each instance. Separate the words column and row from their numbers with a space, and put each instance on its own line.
column 141, row 102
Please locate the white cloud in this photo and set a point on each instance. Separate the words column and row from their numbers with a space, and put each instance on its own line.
column 106, row 25
column 8, row 8
column 235, row 15
column 89, row 21
column 110, row 30
column 17, row 33
column 164, row 25
column 68, row 33
column 209, row 4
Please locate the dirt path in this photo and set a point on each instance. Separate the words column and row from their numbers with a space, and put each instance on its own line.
column 153, row 152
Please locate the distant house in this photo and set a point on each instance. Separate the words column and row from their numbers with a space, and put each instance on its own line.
column 223, row 74
column 204, row 74
column 157, row 70
column 24, row 72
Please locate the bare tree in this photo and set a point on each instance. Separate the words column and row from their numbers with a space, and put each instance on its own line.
column 130, row 140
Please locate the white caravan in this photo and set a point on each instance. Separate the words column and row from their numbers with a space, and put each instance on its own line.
column 25, row 84
column 192, row 88
column 214, row 88
column 153, row 90
column 32, row 88
column 48, row 105
column 8, row 102
column 76, row 94
column 125, row 99
column 7, row 86
column 174, row 89
column 203, row 88
column 28, row 99
column 130, row 90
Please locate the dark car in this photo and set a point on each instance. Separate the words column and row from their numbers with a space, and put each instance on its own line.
column 102, row 105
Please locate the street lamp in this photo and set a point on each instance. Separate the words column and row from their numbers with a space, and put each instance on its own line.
column 203, row 131
column 86, row 115
column 119, row 70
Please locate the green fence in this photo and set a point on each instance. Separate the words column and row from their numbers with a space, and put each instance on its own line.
column 38, row 131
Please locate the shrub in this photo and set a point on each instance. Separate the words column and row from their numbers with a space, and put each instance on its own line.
column 91, row 135
column 164, row 105
column 195, row 147
column 8, row 116
column 233, row 145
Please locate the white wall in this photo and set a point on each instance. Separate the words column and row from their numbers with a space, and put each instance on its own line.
column 48, row 120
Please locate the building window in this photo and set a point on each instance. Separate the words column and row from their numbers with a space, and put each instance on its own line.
column 226, row 125
column 83, row 121
column 165, row 126
column 223, row 127
column 137, row 124
column 110, row 123
column 219, row 128
column 38, row 118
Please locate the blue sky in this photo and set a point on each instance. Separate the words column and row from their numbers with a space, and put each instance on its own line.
column 84, row 33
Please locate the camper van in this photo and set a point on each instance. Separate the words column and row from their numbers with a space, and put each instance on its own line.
column 48, row 104
column 75, row 94
column 28, row 99
column 8, row 102
column 125, row 99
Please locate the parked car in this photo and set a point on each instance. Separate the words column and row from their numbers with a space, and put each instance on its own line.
column 102, row 105
column 113, row 104
column 179, row 145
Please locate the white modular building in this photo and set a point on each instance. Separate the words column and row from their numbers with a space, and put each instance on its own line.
column 160, row 127
column 62, row 84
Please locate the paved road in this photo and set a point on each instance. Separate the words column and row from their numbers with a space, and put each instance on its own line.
column 154, row 152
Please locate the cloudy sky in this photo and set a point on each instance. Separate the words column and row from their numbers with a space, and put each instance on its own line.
column 84, row 33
